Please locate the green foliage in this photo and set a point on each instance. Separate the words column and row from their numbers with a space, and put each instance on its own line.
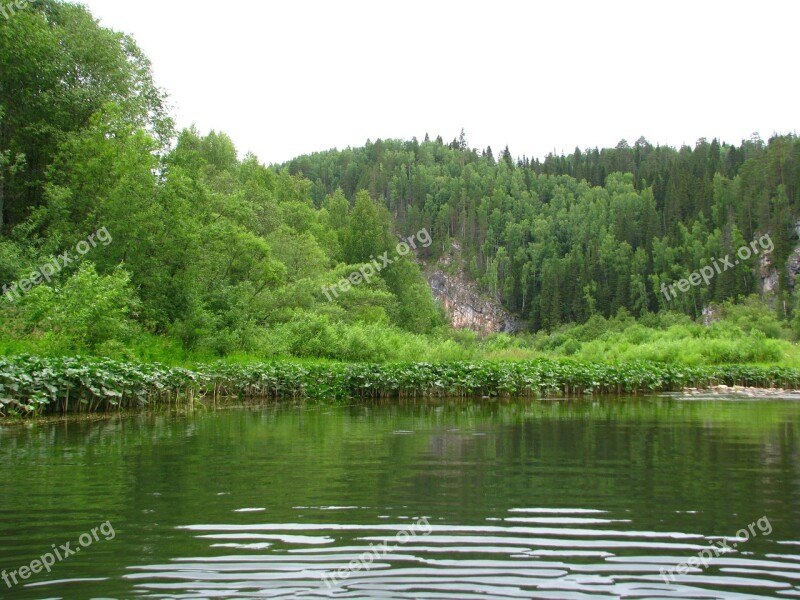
column 367, row 233
column 416, row 310
column 751, row 316
column 223, row 254
column 36, row 385
column 564, row 239
column 213, row 256
column 58, row 68
column 87, row 312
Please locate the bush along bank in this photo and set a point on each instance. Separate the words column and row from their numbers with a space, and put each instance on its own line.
column 33, row 385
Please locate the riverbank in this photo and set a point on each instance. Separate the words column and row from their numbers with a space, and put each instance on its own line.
column 34, row 386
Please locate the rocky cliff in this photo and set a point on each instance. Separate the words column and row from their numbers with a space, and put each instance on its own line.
column 466, row 307
column 768, row 272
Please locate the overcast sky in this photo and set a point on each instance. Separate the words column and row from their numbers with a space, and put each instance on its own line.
column 289, row 78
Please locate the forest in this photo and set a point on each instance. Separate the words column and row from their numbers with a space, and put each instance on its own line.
column 569, row 237
column 123, row 237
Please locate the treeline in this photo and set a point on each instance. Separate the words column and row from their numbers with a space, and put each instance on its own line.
column 565, row 238
column 206, row 254
column 220, row 255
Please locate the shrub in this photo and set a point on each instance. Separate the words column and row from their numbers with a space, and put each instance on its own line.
column 87, row 311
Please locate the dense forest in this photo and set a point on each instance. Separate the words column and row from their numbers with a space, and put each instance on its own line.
column 208, row 254
column 573, row 236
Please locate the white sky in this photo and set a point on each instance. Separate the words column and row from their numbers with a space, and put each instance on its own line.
column 289, row 78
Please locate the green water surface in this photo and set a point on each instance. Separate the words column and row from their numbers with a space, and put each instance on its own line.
column 457, row 500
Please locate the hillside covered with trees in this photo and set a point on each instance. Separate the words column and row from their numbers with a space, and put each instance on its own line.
column 563, row 239
column 208, row 254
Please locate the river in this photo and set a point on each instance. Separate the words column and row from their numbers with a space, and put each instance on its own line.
column 596, row 498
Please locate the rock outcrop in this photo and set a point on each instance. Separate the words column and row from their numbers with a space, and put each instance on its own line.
column 793, row 265
column 466, row 307
column 768, row 272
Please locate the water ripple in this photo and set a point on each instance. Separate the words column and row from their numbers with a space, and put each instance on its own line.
column 567, row 560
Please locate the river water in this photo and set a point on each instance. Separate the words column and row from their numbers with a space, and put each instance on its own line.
column 455, row 500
